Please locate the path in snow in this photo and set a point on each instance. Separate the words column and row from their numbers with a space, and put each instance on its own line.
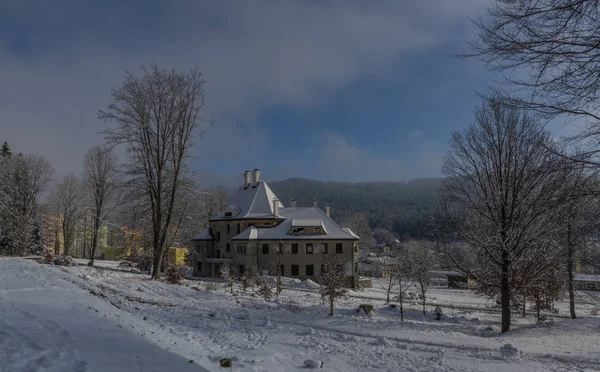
column 49, row 324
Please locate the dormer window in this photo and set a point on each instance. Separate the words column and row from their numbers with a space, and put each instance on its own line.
column 228, row 214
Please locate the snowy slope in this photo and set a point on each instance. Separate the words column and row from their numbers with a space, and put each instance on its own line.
column 202, row 322
column 49, row 324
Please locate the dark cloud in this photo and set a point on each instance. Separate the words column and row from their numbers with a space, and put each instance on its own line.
column 254, row 56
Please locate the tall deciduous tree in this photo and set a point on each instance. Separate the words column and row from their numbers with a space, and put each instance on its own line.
column 549, row 51
column 333, row 284
column 359, row 224
column 68, row 204
column 502, row 197
column 100, row 184
column 156, row 118
column 420, row 262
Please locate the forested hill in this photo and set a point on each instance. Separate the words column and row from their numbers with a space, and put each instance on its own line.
column 405, row 208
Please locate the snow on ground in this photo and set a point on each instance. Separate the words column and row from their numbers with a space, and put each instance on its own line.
column 201, row 321
column 50, row 324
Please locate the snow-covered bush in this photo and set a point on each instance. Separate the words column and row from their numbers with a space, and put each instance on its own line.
column 49, row 258
column 438, row 314
column 228, row 276
column 246, row 279
column 265, row 290
column 175, row 274
column 64, row 261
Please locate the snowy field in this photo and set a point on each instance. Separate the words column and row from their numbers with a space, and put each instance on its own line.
column 90, row 319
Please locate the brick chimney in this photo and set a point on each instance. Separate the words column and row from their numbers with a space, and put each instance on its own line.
column 328, row 210
column 314, row 203
column 276, row 207
column 292, row 203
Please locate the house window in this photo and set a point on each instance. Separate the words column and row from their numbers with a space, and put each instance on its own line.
column 281, row 270
column 241, row 249
column 324, row 248
column 265, row 249
column 295, row 270
column 356, row 267
column 199, row 267
column 242, row 269
column 199, row 248
column 228, row 226
column 228, row 214
column 239, row 228
column 309, row 248
column 294, row 248
column 318, row 229
column 218, row 236
column 310, row 270
column 227, row 247
column 339, row 248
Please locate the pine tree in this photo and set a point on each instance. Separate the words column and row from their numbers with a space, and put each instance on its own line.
column 5, row 150
column 37, row 240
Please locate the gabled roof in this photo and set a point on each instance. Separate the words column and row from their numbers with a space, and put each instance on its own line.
column 254, row 201
column 204, row 235
column 280, row 232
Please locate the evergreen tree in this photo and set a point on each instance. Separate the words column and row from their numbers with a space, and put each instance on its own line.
column 37, row 240
column 5, row 150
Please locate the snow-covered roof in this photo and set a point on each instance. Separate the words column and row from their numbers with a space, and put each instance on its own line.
column 204, row 235
column 587, row 278
column 350, row 232
column 254, row 201
column 333, row 231
column 250, row 233
column 306, row 222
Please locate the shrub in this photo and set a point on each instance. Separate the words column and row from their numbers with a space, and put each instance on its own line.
column 64, row 261
column 265, row 290
column 438, row 314
column 175, row 274
column 49, row 258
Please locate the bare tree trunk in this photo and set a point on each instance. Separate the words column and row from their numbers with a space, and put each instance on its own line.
column 505, row 293
column 401, row 302
column 570, row 260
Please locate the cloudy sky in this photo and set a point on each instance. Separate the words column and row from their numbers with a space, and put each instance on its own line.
column 346, row 90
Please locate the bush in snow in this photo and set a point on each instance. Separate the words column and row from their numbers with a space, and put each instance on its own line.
column 246, row 279
column 228, row 276
column 265, row 290
column 64, row 261
column 438, row 314
column 175, row 274
column 49, row 258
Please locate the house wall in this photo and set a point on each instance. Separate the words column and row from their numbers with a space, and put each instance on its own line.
column 255, row 261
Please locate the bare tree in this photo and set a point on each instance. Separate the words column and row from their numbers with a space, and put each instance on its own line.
column 100, row 183
column 359, row 224
column 402, row 273
column 420, row 261
column 67, row 203
column 388, row 266
column 333, row 281
column 501, row 196
column 156, row 117
column 578, row 221
column 228, row 275
column 550, row 50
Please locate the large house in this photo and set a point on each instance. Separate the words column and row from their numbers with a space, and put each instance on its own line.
column 255, row 232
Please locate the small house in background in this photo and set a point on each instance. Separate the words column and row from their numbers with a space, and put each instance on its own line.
column 381, row 249
column 586, row 282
